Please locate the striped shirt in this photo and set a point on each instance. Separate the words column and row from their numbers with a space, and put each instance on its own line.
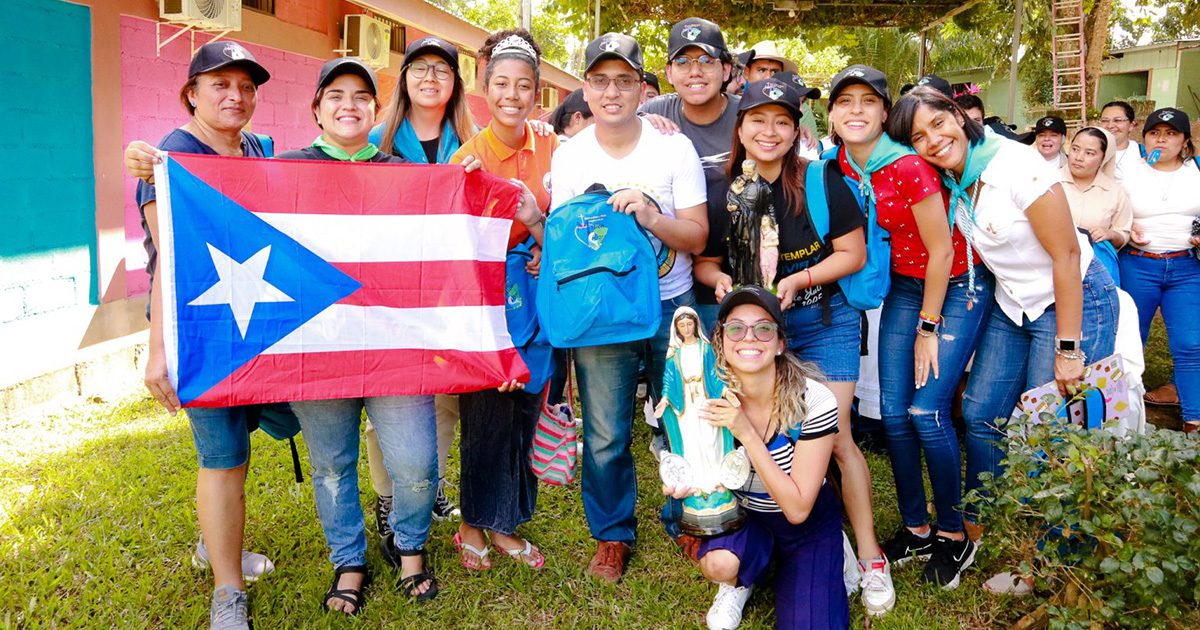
column 822, row 420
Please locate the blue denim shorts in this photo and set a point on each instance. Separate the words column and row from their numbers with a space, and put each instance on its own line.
column 222, row 435
column 835, row 348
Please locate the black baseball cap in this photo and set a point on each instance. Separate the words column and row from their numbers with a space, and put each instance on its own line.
column 751, row 294
column 744, row 58
column 771, row 91
column 1050, row 123
column 1169, row 116
column 338, row 66
column 651, row 79
column 613, row 46
column 933, row 81
column 220, row 54
column 797, row 82
column 697, row 32
column 433, row 45
column 864, row 75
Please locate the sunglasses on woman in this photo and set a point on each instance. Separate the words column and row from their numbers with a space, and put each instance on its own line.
column 762, row 330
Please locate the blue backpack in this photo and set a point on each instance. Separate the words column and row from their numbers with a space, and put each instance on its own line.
column 520, row 314
column 599, row 278
column 866, row 288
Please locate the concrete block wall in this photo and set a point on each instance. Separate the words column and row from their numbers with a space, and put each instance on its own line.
column 151, row 107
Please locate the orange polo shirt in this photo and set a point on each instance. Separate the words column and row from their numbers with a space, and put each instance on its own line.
column 530, row 164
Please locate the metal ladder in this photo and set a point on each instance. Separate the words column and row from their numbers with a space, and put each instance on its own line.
column 1067, row 49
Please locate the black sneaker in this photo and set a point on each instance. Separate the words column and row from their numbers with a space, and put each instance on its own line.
column 443, row 508
column 950, row 558
column 383, row 507
column 905, row 545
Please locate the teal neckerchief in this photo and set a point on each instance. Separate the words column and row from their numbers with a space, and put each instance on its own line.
column 406, row 145
column 337, row 153
column 885, row 152
column 979, row 155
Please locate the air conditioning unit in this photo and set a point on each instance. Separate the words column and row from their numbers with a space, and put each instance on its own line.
column 549, row 98
column 466, row 69
column 368, row 39
column 212, row 15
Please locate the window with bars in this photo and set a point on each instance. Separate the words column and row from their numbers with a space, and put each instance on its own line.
column 266, row 6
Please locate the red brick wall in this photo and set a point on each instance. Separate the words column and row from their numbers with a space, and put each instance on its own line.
column 310, row 14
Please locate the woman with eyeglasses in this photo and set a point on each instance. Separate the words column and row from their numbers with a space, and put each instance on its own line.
column 787, row 420
column 425, row 122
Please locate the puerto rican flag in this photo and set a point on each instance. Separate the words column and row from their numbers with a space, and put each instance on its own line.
column 292, row 280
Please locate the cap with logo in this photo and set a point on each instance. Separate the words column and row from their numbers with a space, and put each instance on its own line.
column 338, row 66
column 859, row 74
column 1169, row 116
column 933, row 81
column 797, row 82
column 772, row 91
column 432, row 46
column 221, row 54
column 751, row 294
column 613, row 46
column 767, row 49
column 1050, row 123
column 697, row 32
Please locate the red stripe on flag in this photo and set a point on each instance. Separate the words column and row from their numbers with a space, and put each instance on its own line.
column 425, row 284
column 359, row 374
column 323, row 187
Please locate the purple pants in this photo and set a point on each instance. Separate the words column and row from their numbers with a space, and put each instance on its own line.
column 809, row 592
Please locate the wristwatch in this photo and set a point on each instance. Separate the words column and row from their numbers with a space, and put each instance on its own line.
column 1066, row 345
column 928, row 326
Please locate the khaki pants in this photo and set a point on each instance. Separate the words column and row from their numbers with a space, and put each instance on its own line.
column 447, row 422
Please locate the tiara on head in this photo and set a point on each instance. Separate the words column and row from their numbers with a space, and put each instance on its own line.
column 515, row 45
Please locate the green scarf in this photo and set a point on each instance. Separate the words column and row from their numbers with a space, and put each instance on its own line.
column 362, row 155
column 979, row 155
column 885, row 152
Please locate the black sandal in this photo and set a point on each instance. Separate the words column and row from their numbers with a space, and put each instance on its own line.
column 352, row 596
column 410, row 585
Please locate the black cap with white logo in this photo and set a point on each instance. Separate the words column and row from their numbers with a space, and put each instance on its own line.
column 796, row 81
column 613, row 46
column 771, row 91
column 933, row 81
column 336, row 67
column 1169, row 116
column 432, row 46
column 697, row 32
column 863, row 75
column 751, row 294
column 223, row 53
column 1050, row 123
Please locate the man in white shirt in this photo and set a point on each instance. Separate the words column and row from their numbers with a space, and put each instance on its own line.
column 1118, row 118
column 658, row 179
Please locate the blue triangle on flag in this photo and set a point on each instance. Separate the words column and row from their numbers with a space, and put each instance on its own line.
column 211, row 345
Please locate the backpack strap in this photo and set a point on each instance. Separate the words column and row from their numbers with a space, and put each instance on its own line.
column 1141, row 150
column 816, row 198
column 268, row 144
column 296, row 460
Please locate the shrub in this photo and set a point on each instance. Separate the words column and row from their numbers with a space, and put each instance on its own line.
column 1108, row 524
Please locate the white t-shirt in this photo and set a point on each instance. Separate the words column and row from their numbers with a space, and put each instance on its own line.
column 1124, row 159
column 1015, row 178
column 664, row 167
column 1164, row 204
column 1055, row 162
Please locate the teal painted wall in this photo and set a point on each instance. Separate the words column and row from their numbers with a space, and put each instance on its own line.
column 1189, row 77
column 1123, row 87
column 48, row 218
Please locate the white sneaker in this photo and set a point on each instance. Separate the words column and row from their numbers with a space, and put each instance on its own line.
column 851, row 575
column 726, row 610
column 879, row 595
column 254, row 565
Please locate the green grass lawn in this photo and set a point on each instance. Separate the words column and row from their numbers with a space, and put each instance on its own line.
column 97, row 524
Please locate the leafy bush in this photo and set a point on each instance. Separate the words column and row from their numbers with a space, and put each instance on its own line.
column 1108, row 524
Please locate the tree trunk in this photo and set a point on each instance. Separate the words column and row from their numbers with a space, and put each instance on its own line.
column 1096, row 42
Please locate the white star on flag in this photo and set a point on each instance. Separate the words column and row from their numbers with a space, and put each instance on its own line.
column 241, row 285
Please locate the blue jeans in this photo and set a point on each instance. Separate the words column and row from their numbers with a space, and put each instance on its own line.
column 918, row 420
column 407, row 435
column 498, row 488
column 1012, row 359
column 222, row 434
column 1172, row 284
column 834, row 347
column 607, row 388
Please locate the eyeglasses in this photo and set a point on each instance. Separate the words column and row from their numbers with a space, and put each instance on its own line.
column 763, row 331
column 684, row 61
column 420, row 70
column 625, row 82
column 1105, row 121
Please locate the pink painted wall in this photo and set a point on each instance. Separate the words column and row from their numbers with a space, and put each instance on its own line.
column 150, row 107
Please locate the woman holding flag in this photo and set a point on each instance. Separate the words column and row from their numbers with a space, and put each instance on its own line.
column 1012, row 211
column 930, row 322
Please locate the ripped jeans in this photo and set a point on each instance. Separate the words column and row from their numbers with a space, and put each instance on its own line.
column 407, row 435
column 918, row 420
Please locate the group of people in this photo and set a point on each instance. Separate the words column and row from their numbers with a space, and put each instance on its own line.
column 994, row 255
